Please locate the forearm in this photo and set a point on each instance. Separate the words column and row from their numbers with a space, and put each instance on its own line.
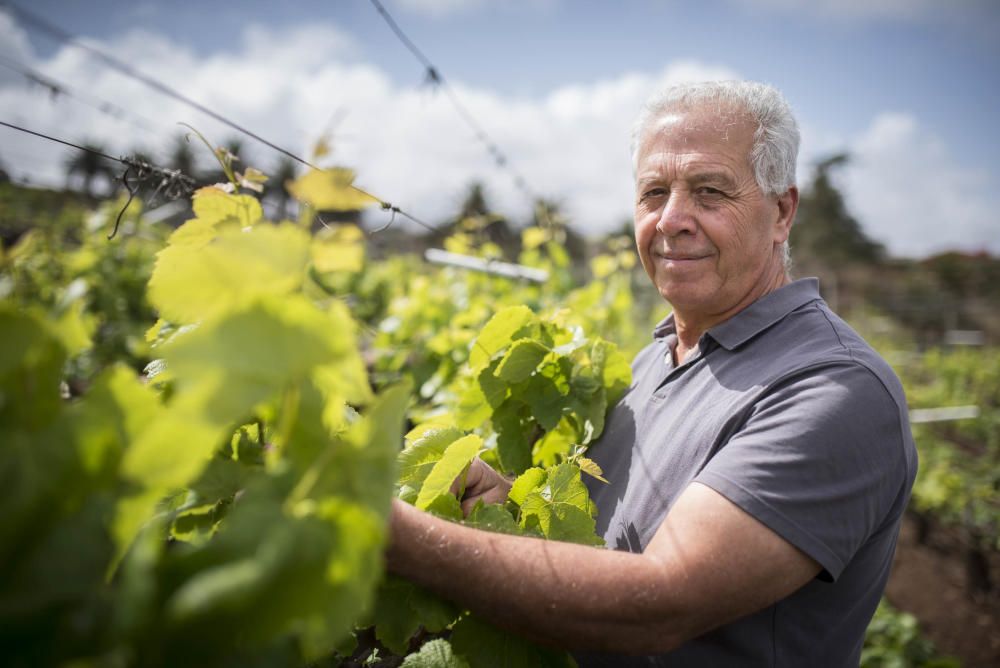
column 558, row 593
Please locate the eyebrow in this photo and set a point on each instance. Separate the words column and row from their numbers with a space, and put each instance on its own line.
column 716, row 178
column 710, row 177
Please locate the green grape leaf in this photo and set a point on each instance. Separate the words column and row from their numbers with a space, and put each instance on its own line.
column 521, row 360
column 190, row 284
column 494, row 388
column 614, row 368
column 136, row 591
column 446, row 506
column 589, row 411
column 472, row 409
column 221, row 479
column 130, row 515
column 360, row 464
column 252, row 179
column 485, row 646
column 455, row 459
column 533, row 237
column 347, row 377
column 583, row 382
column 58, row 567
column 330, row 190
column 232, row 585
column 492, row 517
column 526, row 483
column 338, row 249
column 402, row 608
column 225, row 367
column 603, row 266
column 590, row 467
column 514, row 427
column 173, row 448
column 75, row 327
column 561, row 509
column 498, row 333
column 31, row 361
column 216, row 207
column 116, row 412
column 354, row 565
column 556, row 445
column 394, row 620
column 435, row 654
column 309, row 566
column 423, row 451
column 546, row 393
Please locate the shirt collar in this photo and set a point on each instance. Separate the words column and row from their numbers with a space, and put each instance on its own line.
column 755, row 318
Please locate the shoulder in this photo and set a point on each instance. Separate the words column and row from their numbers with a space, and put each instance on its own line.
column 813, row 338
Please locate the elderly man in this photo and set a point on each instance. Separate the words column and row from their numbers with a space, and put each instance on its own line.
column 760, row 462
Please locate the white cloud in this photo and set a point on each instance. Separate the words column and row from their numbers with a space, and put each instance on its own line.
column 908, row 190
column 441, row 8
column 875, row 9
column 410, row 146
column 14, row 47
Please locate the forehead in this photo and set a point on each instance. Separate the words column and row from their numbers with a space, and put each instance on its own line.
column 702, row 133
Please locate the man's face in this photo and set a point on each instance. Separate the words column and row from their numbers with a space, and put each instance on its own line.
column 706, row 234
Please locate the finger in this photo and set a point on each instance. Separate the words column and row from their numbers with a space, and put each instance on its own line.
column 462, row 483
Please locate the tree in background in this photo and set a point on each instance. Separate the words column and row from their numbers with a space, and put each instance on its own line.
column 825, row 231
column 548, row 213
column 181, row 156
column 90, row 167
column 475, row 217
column 276, row 189
column 828, row 241
column 931, row 296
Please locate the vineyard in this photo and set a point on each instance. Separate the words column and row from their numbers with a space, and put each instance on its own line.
column 204, row 427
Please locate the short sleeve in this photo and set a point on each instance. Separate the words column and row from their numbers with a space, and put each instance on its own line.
column 820, row 461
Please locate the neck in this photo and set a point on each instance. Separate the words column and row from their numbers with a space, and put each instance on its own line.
column 691, row 325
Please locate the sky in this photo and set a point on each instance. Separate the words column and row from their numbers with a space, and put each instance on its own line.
column 907, row 87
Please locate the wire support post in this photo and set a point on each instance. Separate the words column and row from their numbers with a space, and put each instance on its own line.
column 495, row 267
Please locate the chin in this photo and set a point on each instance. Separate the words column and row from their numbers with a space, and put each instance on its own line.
column 687, row 297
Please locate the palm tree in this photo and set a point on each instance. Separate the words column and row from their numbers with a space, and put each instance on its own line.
column 90, row 165
column 182, row 157
column 285, row 170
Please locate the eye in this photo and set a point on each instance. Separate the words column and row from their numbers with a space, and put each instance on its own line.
column 653, row 192
column 708, row 190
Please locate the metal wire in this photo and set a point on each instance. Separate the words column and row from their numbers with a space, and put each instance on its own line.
column 130, row 72
column 173, row 183
column 57, row 88
column 435, row 78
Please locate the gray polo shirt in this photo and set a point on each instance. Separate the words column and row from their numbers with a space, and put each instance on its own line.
column 789, row 414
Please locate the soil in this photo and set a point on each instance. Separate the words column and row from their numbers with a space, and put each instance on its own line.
column 931, row 582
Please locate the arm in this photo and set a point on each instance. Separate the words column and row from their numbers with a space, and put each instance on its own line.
column 709, row 563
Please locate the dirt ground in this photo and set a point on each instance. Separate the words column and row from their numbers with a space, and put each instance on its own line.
column 930, row 582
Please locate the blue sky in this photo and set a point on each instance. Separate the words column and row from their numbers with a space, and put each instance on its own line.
column 908, row 87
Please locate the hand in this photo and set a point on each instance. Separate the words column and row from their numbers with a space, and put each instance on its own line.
column 481, row 482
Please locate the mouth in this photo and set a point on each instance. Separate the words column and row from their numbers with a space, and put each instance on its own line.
column 681, row 257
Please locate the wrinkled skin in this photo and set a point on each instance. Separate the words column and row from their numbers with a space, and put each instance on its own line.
column 707, row 236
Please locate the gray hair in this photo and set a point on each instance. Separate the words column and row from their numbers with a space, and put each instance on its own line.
column 775, row 141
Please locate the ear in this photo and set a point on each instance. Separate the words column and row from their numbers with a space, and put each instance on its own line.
column 788, row 204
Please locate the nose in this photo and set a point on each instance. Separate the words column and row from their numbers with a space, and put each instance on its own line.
column 677, row 216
